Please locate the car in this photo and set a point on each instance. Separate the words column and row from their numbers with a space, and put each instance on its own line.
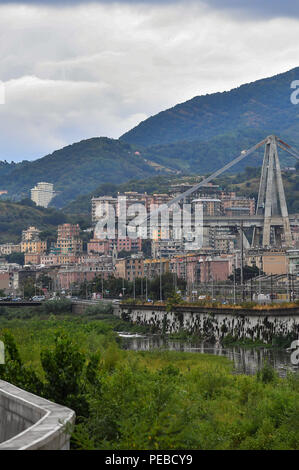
column 16, row 299
column 38, row 298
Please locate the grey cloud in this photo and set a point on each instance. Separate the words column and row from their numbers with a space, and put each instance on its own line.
column 102, row 68
column 258, row 8
column 252, row 8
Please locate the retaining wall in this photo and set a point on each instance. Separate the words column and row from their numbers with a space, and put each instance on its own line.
column 216, row 324
column 29, row 422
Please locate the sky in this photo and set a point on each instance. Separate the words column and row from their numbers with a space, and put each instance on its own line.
column 72, row 70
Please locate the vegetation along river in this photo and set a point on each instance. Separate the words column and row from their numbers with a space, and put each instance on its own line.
column 247, row 360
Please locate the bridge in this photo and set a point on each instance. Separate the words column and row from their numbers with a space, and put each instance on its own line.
column 271, row 222
column 248, row 221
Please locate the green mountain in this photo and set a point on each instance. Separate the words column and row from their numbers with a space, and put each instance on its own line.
column 262, row 106
column 78, row 169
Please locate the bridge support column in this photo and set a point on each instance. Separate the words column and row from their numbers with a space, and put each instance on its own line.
column 271, row 200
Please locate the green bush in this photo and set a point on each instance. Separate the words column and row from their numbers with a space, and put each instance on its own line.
column 57, row 306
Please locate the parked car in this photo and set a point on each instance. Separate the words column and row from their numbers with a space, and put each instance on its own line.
column 38, row 298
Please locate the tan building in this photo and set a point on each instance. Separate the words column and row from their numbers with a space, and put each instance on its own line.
column 275, row 263
column 99, row 204
column 31, row 233
column 225, row 244
column 6, row 281
column 57, row 260
column 130, row 268
column 33, row 246
column 32, row 258
column 238, row 206
column 270, row 262
column 9, row 248
column 210, row 206
column 153, row 267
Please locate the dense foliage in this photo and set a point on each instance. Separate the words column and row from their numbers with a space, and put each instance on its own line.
column 147, row 400
column 91, row 161
column 113, row 287
column 15, row 217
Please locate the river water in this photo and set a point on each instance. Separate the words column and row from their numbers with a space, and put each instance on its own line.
column 246, row 360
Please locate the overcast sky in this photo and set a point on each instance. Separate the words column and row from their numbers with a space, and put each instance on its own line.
column 77, row 69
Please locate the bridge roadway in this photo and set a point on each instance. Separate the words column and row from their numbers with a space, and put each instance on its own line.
column 248, row 221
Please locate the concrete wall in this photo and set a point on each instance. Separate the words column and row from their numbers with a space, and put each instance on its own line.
column 29, row 422
column 216, row 323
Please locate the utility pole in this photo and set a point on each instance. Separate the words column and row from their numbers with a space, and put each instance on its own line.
column 123, row 287
column 161, row 294
column 260, row 272
column 242, row 261
column 235, row 267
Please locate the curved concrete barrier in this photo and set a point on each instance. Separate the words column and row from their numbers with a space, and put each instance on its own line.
column 29, row 422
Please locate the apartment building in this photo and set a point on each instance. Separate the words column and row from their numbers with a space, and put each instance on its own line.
column 34, row 246
column 9, row 248
column 130, row 268
column 42, row 194
column 211, row 206
column 31, row 233
column 238, row 206
column 68, row 240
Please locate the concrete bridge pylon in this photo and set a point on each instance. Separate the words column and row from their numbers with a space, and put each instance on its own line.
column 272, row 202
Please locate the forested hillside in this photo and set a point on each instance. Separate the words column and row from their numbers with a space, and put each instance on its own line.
column 76, row 169
column 262, row 105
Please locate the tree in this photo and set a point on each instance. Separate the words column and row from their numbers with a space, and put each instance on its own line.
column 168, row 286
column 15, row 371
column 44, row 281
column 249, row 272
column 63, row 369
column 30, row 288
column 17, row 258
